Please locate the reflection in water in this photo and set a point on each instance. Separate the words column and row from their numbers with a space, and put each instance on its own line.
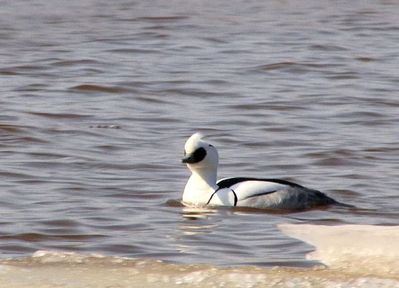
column 195, row 213
column 193, row 225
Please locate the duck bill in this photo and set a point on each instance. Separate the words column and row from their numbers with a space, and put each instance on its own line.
column 189, row 159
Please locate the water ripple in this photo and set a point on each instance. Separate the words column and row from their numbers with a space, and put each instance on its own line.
column 97, row 103
column 98, row 88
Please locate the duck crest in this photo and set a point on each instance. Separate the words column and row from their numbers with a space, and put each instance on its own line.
column 193, row 142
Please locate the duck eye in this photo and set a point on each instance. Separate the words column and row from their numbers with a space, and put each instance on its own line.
column 199, row 155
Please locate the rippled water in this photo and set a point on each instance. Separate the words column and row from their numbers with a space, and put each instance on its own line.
column 98, row 98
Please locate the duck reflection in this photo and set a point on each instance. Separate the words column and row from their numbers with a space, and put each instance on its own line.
column 196, row 213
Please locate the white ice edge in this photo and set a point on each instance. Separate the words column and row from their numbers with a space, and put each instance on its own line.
column 351, row 247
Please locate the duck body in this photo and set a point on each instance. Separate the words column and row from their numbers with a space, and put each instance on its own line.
column 203, row 189
column 259, row 193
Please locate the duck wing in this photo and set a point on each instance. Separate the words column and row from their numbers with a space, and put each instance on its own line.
column 274, row 193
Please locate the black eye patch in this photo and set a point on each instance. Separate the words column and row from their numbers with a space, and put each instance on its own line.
column 195, row 157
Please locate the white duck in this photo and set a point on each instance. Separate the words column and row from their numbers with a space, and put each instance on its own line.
column 203, row 189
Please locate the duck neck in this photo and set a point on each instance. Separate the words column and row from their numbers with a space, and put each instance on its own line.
column 206, row 177
column 200, row 185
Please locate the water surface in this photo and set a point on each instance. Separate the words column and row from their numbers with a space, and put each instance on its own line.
column 98, row 98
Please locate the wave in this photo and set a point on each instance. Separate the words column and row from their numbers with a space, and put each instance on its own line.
column 69, row 269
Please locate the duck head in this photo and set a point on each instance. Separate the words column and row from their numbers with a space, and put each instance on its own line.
column 200, row 155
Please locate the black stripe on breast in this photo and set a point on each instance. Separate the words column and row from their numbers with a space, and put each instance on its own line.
column 234, row 194
column 235, row 197
column 226, row 183
column 213, row 194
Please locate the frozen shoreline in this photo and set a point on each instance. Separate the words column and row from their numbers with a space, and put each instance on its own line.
column 73, row 270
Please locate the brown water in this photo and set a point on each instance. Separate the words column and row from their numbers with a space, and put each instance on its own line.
column 98, row 98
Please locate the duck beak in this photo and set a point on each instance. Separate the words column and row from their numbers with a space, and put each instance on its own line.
column 194, row 157
column 188, row 159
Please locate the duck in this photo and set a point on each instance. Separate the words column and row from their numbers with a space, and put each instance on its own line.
column 203, row 189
